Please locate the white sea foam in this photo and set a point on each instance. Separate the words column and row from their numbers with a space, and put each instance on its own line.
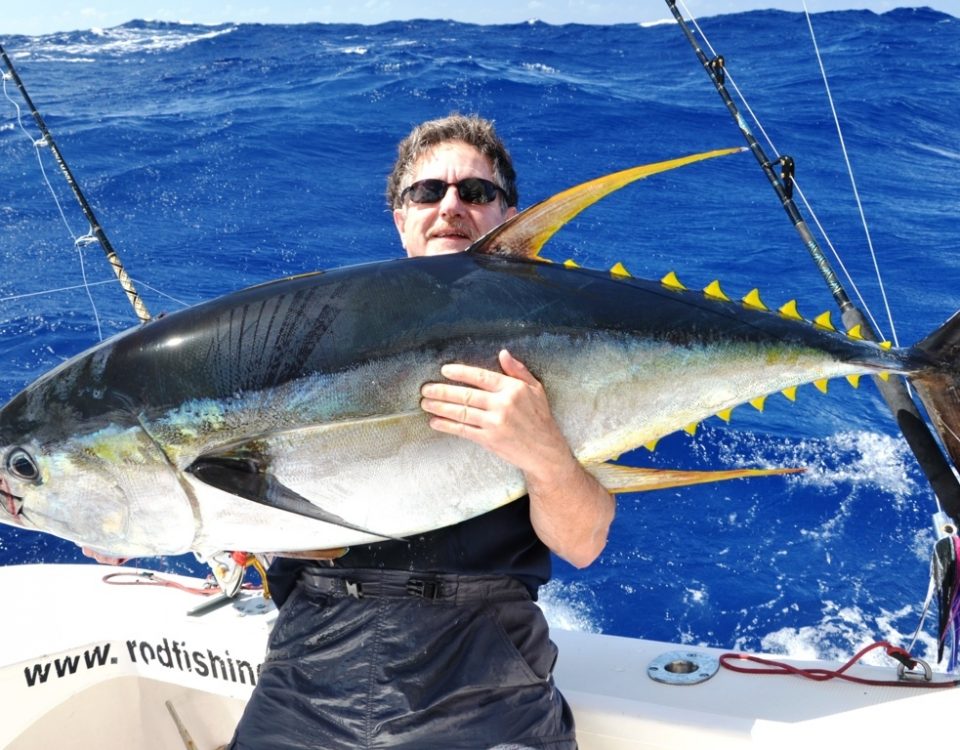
column 566, row 608
column 122, row 40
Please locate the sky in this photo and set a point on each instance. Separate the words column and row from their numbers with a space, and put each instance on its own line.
column 35, row 18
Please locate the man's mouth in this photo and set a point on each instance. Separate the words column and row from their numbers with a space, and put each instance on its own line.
column 447, row 233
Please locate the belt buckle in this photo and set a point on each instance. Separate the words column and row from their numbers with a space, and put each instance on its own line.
column 354, row 588
column 423, row 589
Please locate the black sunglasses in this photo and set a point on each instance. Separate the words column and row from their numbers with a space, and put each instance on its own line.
column 471, row 190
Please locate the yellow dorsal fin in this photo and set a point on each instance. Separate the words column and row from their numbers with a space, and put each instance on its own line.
column 713, row 291
column 854, row 380
column 753, row 300
column 672, row 282
column 691, row 428
column 821, row 385
column 619, row 270
column 789, row 310
column 570, row 263
column 618, row 479
column 758, row 402
column 790, row 392
column 725, row 414
column 856, row 332
column 823, row 320
column 524, row 235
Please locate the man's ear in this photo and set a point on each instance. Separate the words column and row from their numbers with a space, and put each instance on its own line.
column 399, row 220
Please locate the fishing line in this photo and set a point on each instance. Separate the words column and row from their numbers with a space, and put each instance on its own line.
column 95, row 229
column 78, row 242
column 759, row 125
column 853, row 181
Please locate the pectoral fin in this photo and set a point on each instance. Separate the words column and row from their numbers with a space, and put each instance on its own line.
column 617, row 479
column 246, row 478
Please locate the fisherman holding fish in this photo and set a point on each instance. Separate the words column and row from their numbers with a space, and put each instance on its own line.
column 436, row 641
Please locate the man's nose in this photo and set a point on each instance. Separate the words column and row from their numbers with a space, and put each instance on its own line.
column 451, row 203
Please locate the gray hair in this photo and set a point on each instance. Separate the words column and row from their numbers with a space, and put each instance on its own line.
column 470, row 129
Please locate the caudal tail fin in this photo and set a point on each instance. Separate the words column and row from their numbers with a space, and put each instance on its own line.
column 939, row 386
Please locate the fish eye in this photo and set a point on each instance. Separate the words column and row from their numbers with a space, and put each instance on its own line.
column 21, row 464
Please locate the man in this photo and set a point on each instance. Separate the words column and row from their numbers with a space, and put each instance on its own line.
column 435, row 641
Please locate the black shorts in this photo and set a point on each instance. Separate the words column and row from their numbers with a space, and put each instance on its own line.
column 390, row 659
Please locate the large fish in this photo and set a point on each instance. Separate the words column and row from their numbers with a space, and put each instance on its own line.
column 285, row 416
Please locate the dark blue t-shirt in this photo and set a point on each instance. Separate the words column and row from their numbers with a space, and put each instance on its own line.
column 501, row 542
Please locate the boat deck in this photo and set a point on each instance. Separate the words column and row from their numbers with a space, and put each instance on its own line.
column 85, row 664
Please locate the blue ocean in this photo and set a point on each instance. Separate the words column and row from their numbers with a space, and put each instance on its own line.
column 219, row 157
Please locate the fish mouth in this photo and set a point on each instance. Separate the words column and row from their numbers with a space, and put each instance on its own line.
column 11, row 503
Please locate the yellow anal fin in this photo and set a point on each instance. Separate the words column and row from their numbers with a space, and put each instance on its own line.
column 616, row 478
column 524, row 235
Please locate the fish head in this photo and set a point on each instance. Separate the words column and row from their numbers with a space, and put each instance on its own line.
column 114, row 492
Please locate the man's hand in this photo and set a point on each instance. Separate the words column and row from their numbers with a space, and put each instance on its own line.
column 508, row 413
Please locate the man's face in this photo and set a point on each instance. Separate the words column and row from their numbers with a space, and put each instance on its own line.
column 450, row 225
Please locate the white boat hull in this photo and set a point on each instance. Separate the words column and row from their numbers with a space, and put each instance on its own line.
column 84, row 664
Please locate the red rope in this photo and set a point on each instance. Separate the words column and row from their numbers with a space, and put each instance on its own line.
column 146, row 578
column 821, row 675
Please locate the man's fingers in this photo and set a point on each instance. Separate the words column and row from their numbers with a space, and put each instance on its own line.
column 455, row 394
column 478, row 377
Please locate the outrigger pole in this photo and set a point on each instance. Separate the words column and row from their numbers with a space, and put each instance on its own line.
column 924, row 446
column 95, row 229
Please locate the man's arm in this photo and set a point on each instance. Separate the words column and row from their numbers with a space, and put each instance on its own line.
column 508, row 414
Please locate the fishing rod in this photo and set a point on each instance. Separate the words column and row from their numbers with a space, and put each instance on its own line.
column 929, row 455
column 95, row 229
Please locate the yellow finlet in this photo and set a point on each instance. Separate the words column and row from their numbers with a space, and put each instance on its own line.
column 758, row 402
column 672, row 282
column 691, row 428
column 789, row 310
column 886, row 345
column 524, row 235
column 823, row 320
column 856, row 332
column 652, row 445
column 752, row 299
column 713, row 291
column 790, row 392
column 854, row 380
column 884, row 376
column 570, row 263
column 725, row 414
column 619, row 270
column 821, row 385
